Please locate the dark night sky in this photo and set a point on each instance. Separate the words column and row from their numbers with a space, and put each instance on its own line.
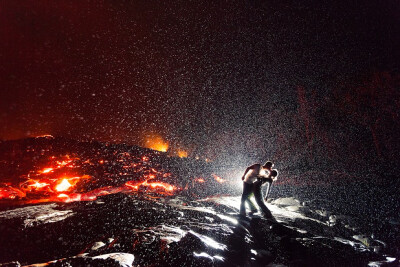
column 216, row 76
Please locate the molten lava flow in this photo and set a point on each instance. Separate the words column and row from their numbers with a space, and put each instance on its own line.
column 156, row 142
column 182, row 154
column 133, row 185
column 10, row 193
column 167, row 188
column 65, row 196
column 37, row 184
column 46, row 170
column 67, row 161
column 63, row 186
column 200, row 180
column 63, row 163
column 45, row 136
column 218, row 179
column 57, row 181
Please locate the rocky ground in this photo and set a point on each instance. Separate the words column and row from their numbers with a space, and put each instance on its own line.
column 69, row 203
column 146, row 230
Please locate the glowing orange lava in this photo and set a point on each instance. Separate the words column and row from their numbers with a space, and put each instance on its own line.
column 46, row 170
column 63, row 186
column 10, row 193
column 37, row 184
column 134, row 185
column 156, row 142
column 165, row 186
column 63, row 196
column 218, row 179
column 44, row 136
column 182, row 154
column 45, row 185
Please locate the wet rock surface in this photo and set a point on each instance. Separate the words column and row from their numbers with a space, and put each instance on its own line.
column 140, row 230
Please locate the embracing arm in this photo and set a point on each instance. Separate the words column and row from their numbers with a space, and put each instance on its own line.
column 252, row 167
column 267, row 180
column 272, row 176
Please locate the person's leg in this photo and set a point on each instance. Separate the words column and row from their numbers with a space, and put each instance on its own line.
column 268, row 189
column 260, row 202
column 247, row 190
column 250, row 203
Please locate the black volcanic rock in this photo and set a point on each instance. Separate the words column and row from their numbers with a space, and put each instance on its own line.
column 170, row 232
column 197, row 225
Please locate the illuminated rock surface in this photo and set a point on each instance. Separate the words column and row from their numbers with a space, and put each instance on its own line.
column 178, row 231
column 117, row 205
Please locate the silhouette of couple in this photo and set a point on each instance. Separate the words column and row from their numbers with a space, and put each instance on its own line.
column 253, row 178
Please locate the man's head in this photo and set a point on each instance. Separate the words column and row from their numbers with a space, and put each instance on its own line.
column 268, row 165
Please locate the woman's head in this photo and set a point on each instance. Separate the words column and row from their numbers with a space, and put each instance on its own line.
column 274, row 173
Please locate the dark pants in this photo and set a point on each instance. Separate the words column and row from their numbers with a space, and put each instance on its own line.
column 248, row 190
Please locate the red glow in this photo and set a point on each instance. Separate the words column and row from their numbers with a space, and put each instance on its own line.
column 10, row 193
column 156, row 142
column 37, row 184
column 63, row 186
column 45, row 136
column 46, row 170
column 63, row 196
column 182, row 154
column 167, row 188
column 218, row 179
column 46, row 186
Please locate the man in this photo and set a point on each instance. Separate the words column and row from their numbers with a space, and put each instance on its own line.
column 253, row 178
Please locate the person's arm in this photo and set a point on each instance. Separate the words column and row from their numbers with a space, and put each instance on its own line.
column 267, row 180
column 252, row 167
column 273, row 176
